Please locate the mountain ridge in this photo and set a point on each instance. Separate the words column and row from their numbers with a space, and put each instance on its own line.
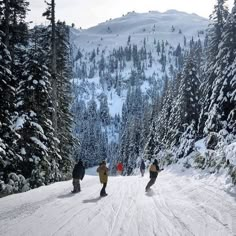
column 171, row 25
column 133, row 13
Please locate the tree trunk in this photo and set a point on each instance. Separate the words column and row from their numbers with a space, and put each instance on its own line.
column 54, row 70
column 7, row 11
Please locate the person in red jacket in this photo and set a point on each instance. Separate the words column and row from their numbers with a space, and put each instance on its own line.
column 119, row 168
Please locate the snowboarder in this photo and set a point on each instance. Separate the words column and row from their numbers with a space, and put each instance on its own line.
column 119, row 168
column 154, row 169
column 103, row 176
column 78, row 174
column 142, row 168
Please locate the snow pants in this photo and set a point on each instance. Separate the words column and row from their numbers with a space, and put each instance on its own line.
column 103, row 190
column 150, row 183
column 142, row 172
column 76, row 184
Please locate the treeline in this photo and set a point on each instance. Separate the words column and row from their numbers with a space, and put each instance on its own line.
column 201, row 104
column 91, row 127
column 36, row 141
column 109, row 65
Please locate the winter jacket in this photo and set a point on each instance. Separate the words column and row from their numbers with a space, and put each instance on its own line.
column 119, row 167
column 154, row 169
column 142, row 166
column 103, row 173
column 78, row 171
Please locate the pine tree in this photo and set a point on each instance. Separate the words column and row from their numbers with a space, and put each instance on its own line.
column 60, row 65
column 13, row 24
column 13, row 35
column 8, row 137
column 34, row 108
column 104, row 110
column 186, row 108
column 50, row 15
column 214, row 37
column 151, row 145
column 64, row 76
column 222, row 108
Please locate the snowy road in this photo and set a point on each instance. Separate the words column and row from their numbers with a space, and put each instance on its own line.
column 177, row 205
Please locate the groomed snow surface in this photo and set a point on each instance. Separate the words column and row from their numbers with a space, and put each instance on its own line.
column 178, row 204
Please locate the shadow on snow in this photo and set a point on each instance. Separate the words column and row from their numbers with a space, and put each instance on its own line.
column 93, row 200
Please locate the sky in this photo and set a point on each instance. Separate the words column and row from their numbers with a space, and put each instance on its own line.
column 87, row 13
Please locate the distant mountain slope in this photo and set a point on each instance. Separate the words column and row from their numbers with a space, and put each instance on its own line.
column 172, row 26
column 128, row 58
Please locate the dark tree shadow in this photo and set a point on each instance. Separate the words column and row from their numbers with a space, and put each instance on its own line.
column 67, row 195
column 93, row 200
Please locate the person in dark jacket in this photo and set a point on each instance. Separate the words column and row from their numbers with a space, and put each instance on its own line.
column 142, row 168
column 154, row 170
column 78, row 174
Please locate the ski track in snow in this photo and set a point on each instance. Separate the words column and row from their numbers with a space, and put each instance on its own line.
column 176, row 205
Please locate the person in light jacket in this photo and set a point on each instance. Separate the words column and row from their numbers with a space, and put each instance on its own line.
column 103, row 176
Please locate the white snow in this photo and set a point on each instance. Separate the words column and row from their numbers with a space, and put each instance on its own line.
column 179, row 204
column 115, row 104
column 2, row 151
column 22, row 151
column 200, row 146
column 39, row 143
column 38, row 126
column 19, row 122
column 230, row 151
column 42, row 82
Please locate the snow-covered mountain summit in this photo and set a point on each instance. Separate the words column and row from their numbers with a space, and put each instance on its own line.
column 171, row 25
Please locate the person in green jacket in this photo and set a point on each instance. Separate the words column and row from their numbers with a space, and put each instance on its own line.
column 103, row 176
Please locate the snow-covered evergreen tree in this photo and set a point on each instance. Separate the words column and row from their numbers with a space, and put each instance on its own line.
column 214, row 37
column 13, row 38
column 104, row 110
column 34, row 124
column 8, row 137
column 221, row 112
column 64, row 76
column 186, row 108
column 150, row 149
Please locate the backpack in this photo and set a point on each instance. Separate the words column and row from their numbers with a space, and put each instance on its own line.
column 153, row 168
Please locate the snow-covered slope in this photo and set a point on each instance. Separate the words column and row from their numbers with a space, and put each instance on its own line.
column 179, row 204
column 153, row 24
column 146, row 48
column 172, row 26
